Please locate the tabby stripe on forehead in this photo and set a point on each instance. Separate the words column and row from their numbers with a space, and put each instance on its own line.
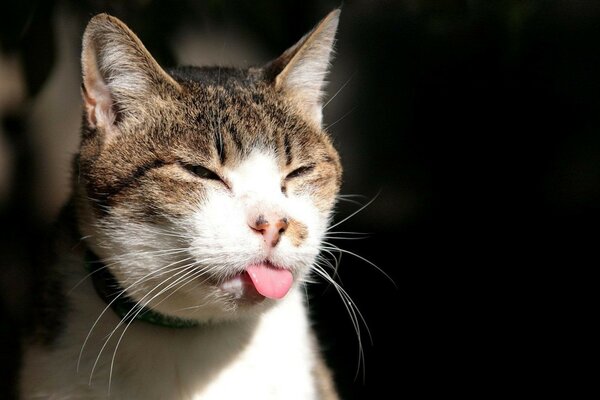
column 287, row 147
column 128, row 181
column 235, row 136
column 219, row 145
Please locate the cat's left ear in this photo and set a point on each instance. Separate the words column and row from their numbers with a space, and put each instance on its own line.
column 120, row 77
column 301, row 70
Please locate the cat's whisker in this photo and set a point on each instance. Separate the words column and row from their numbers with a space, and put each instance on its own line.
column 198, row 282
column 139, row 254
column 125, row 318
column 332, row 247
column 86, row 277
column 193, row 277
column 320, row 259
column 194, row 307
column 350, row 196
column 181, row 189
column 338, row 260
column 108, row 306
column 354, row 213
column 341, row 118
column 338, row 91
column 343, row 233
column 141, row 307
column 184, row 269
column 354, row 313
column 306, row 296
column 189, row 276
column 99, row 203
column 345, row 238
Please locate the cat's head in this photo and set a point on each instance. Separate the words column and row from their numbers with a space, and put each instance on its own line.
column 206, row 191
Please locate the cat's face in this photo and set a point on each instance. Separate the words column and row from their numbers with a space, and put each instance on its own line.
column 207, row 191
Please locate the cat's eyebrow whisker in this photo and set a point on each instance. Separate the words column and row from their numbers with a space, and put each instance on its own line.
column 355, row 212
column 341, row 118
column 350, row 198
column 338, row 91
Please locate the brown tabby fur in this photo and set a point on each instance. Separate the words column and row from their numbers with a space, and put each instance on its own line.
column 209, row 116
column 133, row 163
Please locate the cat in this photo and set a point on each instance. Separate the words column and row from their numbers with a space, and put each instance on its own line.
column 200, row 200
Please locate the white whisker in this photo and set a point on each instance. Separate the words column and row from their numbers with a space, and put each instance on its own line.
column 345, row 238
column 355, row 316
column 108, row 306
column 134, row 314
column 335, row 248
column 338, row 91
column 355, row 212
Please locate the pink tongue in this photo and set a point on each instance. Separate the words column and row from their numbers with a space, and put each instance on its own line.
column 269, row 281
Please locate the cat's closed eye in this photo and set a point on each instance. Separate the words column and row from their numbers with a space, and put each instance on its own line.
column 176, row 233
column 202, row 172
column 300, row 171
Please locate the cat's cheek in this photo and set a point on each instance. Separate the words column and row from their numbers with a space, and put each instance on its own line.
column 218, row 228
column 324, row 195
column 321, row 192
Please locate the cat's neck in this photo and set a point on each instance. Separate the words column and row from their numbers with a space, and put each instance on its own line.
column 230, row 348
column 110, row 291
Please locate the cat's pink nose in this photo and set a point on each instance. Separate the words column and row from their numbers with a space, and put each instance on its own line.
column 271, row 227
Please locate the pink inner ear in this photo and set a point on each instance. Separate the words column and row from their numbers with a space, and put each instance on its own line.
column 90, row 106
column 98, row 104
column 96, row 95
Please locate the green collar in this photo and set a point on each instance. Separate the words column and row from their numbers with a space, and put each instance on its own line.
column 127, row 309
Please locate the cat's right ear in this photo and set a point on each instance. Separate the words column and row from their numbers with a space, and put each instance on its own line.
column 120, row 77
column 301, row 70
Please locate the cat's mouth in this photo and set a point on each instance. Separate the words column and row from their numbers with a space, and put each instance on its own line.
column 259, row 281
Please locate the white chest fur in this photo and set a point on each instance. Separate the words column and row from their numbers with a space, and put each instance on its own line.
column 266, row 358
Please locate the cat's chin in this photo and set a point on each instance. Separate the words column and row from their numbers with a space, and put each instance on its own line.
column 242, row 289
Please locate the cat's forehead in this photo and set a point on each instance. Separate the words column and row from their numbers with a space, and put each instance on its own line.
column 239, row 113
column 222, row 86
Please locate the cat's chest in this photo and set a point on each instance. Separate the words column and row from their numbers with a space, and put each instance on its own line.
column 270, row 358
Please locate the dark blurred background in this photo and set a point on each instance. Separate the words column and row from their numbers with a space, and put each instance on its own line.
column 473, row 124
